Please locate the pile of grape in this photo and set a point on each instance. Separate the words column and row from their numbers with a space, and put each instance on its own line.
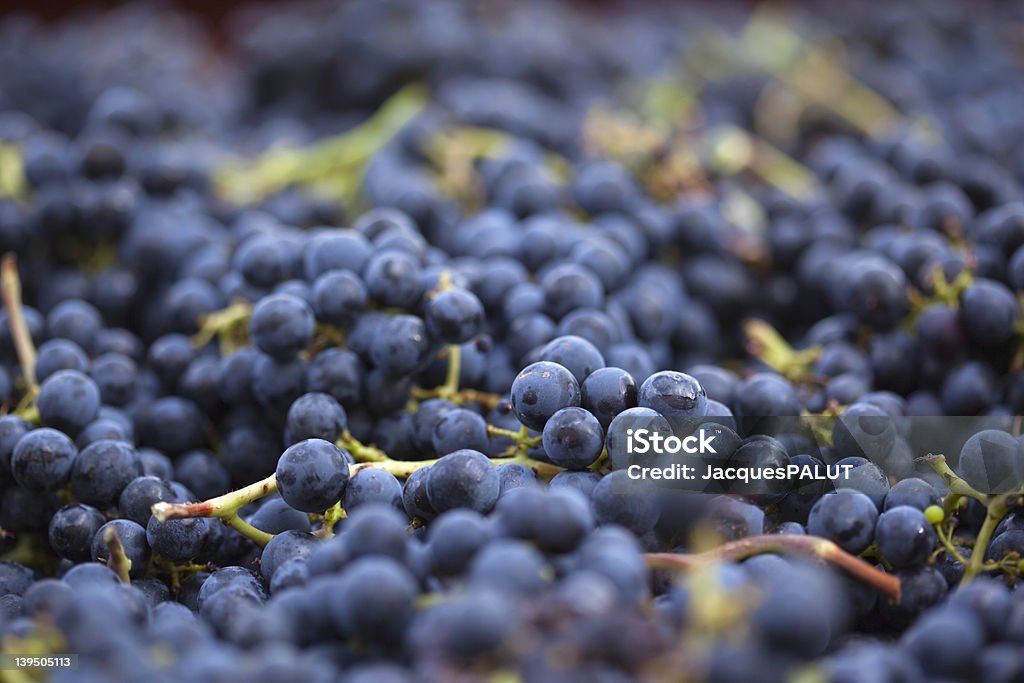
column 324, row 338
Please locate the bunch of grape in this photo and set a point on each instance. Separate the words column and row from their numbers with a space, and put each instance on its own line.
column 320, row 362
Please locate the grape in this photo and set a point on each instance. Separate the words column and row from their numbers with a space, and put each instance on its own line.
column 616, row 503
column 235, row 578
column 673, row 394
column 567, row 287
column 511, row 566
column 865, row 431
column 914, row 492
column 177, row 539
column 989, row 312
column 102, row 470
column 139, row 496
column 904, row 537
column 846, row 517
column 393, row 279
column 42, row 460
column 946, row 642
column 542, row 389
column 464, row 478
column 75, row 320
column 285, row 546
column 275, row 516
column 414, row 496
column 632, row 418
column 281, row 325
column 575, row 354
column 314, row 416
column 15, row 578
column 373, row 600
column 991, row 461
column 68, row 400
column 203, row 473
column 760, row 454
column 312, row 475
column 454, row 539
column 59, row 354
column 583, row 481
column 372, row 486
column 454, row 316
column 607, row 392
column 72, row 529
column 573, row 438
column 133, row 540
column 375, row 529
column 335, row 250
column 401, row 346
column 12, row 428
column 457, row 429
column 513, row 475
column 338, row 373
column 338, row 297
column 361, row 299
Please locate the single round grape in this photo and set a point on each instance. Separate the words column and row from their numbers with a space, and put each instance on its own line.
column 463, row 479
column 72, row 529
column 540, row 390
column 606, row 392
column 312, row 474
column 454, row 316
column 314, row 415
column 68, row 400
column 575, row 354
column 373, row 600
column 459, row 428
column 102, row 470
column 904, row 536
column 673, row 394
column 281, row 325
column 617, row 502
column 178, row 540
column 42, row 460
column 992, row 461
column 401, row 346
column 573, row 438
column 913, row 492
column 372, row 486
column 846, row 517
column 339, row 298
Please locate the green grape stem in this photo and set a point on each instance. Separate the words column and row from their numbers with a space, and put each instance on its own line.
column 767, row 345
column 222, row 324
column 956, row 485
column 360, row 451
column 224, row 508
column 998, row 507
column 332, row 516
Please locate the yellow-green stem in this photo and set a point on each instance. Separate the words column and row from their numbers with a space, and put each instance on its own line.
column 955, row 483
column 998, row 507
column 10, row 284
column 332, row 516
column 221, row 506
column 257, row 536
column 360, row 451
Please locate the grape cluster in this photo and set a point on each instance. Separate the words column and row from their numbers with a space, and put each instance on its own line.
column 321, row 361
